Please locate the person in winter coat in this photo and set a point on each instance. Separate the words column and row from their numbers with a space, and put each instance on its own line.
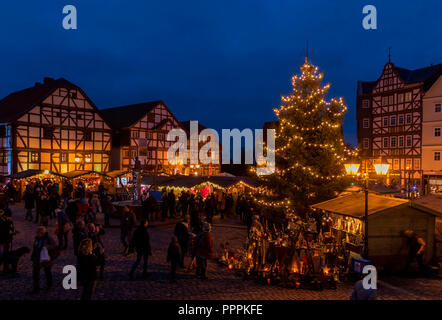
column 172, row 204
column 63, row 224
column 94, row 233
column 183, row 203
column 78, row 234
column 53, row 202
column 44, row 210
column 209, row 205
column 174, row 257
column 72, row 210
column 7, row 231
column 164, row 205
column 29, row 199
column 42, row 242
column 95, row 203
column 107, row 209
column 141, row 245
column 203, row 250
column 87, row 268
column 182, row 234
column 128, row 222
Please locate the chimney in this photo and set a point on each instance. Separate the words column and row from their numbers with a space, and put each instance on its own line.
column 47, row 79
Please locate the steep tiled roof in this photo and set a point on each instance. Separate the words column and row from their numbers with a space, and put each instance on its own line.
column 419, row 75
column 125, row 116
column 427, row 76
column 18, row 103
column 186, row 126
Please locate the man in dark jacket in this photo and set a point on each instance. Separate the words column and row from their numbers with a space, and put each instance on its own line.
column 171, row 203
column 72, row 210
column 203, row 250
column 107, row 207
column 141, row 245
column 29, row 199
column 78, row 234
column 42, row 240
column 7, row 231
column 44, row 210
column 128, row 222
column 87, row 268
column 63, row 231
column 173, row 256
column 182, row 234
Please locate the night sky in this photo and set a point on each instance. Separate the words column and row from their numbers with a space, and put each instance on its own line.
column 224, row 63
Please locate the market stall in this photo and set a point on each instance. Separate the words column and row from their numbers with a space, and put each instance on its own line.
column 207, row 184
column 388, row 218
column 90, row 179
column 45, row 177
column 120, row 181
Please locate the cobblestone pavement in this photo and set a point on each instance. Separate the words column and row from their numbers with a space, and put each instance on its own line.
column 222, row 283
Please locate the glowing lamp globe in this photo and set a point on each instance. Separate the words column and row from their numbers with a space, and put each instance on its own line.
column 382, row 168
column 351, row 168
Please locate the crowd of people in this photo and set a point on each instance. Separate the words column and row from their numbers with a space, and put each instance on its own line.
column 74, row 211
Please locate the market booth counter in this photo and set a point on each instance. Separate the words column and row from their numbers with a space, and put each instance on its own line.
column 120, row 183
column 388, row 218
column 90, row 179
column 22, row 178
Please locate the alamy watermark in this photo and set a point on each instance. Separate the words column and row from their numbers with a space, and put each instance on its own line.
column 209, row 152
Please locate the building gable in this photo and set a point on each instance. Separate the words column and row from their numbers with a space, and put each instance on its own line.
column 389, row 80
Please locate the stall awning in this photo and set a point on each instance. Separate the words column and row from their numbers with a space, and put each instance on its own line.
column 182, row 181
column 381, row 188
column 118, row 173
column 31, row 173
column 148, row 180
column 79, row 173
column 430, row 203
column 353, row 205
column 192, row 181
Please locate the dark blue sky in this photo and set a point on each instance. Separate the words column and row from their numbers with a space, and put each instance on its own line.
column 224, row 63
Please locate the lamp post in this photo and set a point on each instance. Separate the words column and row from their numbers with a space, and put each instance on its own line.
column 135, row 174
column 352, row 170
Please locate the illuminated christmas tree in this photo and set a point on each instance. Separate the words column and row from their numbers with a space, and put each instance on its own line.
column 310, row 149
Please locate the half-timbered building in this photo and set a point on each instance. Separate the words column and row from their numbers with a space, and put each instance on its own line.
column 52, row 126
column 140, row 131
column 389, row 121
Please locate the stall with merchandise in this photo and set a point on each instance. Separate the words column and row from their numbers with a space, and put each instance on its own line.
column 89, row 179
column 301, row 255
column 45, row 177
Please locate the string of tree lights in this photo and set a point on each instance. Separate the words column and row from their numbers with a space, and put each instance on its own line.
column 309, row 148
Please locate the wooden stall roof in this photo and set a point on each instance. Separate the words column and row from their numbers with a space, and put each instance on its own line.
column 117, row 173
column 147, row 180
column 31, row 173
column 182, row 181
column 353, row 205
column 192, row 181
column 79, row 173
column 383, row 189
column 431, row 203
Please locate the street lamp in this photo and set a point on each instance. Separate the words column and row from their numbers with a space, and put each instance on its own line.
column 352, row 170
